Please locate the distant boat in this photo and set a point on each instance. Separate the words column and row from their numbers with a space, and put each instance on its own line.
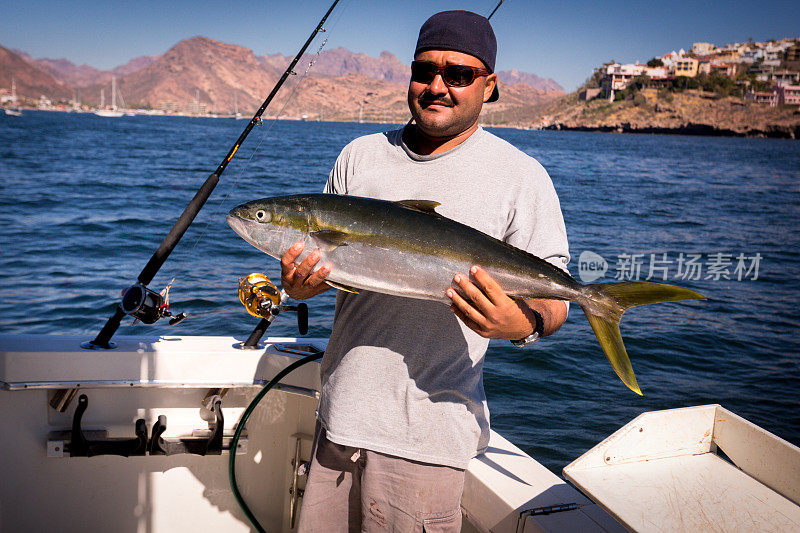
column 14, row 110
column 236, row 113
column 113, row 112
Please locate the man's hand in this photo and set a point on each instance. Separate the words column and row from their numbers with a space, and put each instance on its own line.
column 299, row 281
column 491, row 313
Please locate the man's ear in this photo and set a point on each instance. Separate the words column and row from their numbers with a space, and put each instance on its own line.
column 489, row 85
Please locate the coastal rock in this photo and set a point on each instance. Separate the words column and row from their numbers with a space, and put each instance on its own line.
column 687, row 113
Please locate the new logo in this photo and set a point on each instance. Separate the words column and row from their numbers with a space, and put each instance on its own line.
column 591, row 266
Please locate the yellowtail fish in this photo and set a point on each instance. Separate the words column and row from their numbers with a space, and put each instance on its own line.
column 407, row 249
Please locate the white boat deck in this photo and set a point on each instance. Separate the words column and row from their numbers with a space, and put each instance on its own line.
column 506, row 490
column 662, row 472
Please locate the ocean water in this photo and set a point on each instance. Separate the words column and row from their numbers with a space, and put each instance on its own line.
column 84, row 202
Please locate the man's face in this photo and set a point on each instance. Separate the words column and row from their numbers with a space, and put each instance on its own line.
column 442, row 111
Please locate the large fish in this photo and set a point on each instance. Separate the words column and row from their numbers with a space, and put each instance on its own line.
column 407, row 249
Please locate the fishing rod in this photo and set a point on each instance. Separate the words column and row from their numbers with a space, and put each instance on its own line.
column 146, row 305
column 495, row 9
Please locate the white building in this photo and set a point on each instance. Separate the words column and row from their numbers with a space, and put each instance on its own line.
column 703, row 48
column 617, row 77
column 773, row 54
column 750, row 55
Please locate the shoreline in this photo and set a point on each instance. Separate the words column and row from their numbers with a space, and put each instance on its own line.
column 693, row 129
column 699, row 129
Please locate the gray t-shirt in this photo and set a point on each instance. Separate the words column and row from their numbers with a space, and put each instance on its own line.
column 403, row 376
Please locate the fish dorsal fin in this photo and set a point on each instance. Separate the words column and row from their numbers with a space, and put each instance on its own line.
column 329, row 239
column 426, row 206
column 345, row 288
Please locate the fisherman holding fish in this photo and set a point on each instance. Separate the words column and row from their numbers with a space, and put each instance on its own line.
column 403, row 409
column 440, row 211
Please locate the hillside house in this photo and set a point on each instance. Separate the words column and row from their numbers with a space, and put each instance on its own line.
column 788, row 94
column 703, row 48
column 617, row 77
column 715, row 66
column 762, row 97
column 791, row 57
column 686, row 66
column 751, row 55
column 785, row 77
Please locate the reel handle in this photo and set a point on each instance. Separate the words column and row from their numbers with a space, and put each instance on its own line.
column 302, row 316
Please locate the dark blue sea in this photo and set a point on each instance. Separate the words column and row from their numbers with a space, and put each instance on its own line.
column 84, row 202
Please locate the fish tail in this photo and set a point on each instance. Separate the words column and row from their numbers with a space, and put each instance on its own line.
column 605, row 306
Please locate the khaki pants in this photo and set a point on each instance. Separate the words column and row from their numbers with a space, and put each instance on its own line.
column 353, row 489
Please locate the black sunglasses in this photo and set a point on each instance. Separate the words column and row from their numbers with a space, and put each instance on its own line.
column 452, row 75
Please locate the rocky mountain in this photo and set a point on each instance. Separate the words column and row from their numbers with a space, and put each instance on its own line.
column 216, row 75
column 514, row 76
column 65, row 71
column 137, row 63
column 340, row 86
column 201, row 75
column 340, row 62
column 84, row 75
column 30, row 80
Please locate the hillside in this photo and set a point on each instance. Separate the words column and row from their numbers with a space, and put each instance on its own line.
column 215, row 73
column 514, row 76
column 340, row 62
column 31, row 81
column 78, row 76
column 201, row 75
column 688, row 112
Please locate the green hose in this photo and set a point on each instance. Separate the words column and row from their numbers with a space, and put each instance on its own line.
column 235, row 441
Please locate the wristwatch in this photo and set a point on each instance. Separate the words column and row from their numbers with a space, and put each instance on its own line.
column 538, row 331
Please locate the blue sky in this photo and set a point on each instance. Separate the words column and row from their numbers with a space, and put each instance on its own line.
column 562, row 40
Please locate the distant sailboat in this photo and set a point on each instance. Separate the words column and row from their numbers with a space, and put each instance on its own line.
column 14, row 110
column 236, row 113
column 113, row 112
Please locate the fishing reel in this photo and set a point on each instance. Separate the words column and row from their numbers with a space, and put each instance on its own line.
column 148, row 306
column 259, row 295
column 264, row 300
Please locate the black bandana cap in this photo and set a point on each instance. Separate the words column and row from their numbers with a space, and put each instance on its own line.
column 460, row 31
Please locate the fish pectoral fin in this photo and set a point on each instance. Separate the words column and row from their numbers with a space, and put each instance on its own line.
column 426, row 206
column 341, row 287
column 328, row 240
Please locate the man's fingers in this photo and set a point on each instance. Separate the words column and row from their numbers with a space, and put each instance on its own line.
column 465, row 310
column 493, row 291
column 302, row 270
column 477, row 298
column 288, row 259
column 318, row 276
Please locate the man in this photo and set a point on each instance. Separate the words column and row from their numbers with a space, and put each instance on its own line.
column 402, row 409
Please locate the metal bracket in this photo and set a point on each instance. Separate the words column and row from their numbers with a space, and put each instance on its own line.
column 80, row 443
column 81, row 446
column 299, row 468
column 211, row 442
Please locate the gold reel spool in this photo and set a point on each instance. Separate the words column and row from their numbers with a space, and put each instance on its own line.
column 258, row 294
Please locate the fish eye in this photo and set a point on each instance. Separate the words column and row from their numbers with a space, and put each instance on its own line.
column 261, row 214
